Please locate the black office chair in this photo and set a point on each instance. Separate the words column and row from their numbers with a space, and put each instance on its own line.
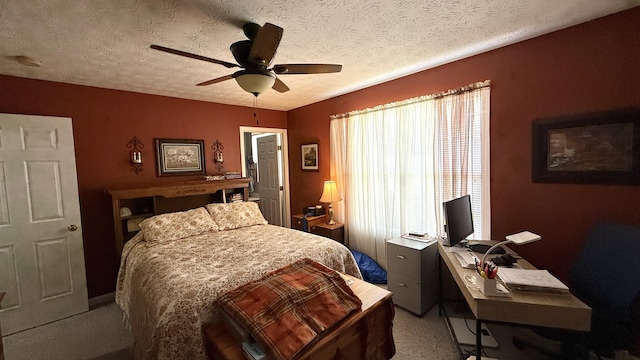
column 605, row 276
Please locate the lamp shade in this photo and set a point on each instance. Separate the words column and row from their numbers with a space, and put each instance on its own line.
column 255, row 81
column 330, row 193
column 524, row 237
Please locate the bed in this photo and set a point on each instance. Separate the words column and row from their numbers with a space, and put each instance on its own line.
column 168, row 281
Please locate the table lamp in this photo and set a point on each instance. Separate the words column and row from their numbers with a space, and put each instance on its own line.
column 330, row 194
column 520, row 238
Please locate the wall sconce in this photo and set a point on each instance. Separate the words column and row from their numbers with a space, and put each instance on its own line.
column 218, row 158
column 135, row 147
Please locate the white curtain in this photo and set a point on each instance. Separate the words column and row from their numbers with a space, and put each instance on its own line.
column 396, row 164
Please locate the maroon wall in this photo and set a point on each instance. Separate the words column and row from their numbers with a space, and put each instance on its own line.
column 103, row 122
column 590, row 67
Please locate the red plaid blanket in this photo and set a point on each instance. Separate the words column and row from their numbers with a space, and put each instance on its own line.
column 291, row 308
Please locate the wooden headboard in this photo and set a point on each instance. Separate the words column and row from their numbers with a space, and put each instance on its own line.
column 143, row 201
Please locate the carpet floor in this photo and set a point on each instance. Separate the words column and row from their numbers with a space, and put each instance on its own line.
column 100, row 334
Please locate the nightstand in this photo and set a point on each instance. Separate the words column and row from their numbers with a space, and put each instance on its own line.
column 311, row 221
column 335, row 231
column 317, row 225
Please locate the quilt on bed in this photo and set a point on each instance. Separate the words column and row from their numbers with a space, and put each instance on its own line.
column 167, row 290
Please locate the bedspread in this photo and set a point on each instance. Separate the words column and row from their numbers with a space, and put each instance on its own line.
column 167, row 291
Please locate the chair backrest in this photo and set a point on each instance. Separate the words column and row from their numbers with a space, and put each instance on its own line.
column 606, row 274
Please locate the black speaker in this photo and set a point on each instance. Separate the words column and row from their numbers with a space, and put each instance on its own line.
column 314, row 210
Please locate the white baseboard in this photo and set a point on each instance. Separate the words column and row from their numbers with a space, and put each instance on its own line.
column 98, row 301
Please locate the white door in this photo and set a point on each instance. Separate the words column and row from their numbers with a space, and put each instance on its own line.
column 269, row 175
column 41, row 255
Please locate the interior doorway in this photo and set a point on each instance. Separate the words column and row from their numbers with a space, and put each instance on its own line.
column 42, row 269
column 264, row 160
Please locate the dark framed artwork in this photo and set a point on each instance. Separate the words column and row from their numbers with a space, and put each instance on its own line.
column 310, row 157
column 180, row 157
column 594, row 148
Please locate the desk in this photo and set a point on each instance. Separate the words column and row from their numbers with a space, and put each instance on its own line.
column 371, row 325
column 525, row 308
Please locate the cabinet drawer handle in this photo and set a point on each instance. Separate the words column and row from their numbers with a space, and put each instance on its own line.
column 402, row 284
column 401, row 256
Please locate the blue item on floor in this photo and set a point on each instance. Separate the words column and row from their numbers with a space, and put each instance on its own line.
column 371, row 271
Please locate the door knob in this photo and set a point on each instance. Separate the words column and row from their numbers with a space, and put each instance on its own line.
column 73, row 227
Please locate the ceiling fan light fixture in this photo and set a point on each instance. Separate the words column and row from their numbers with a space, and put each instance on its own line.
column 255, row 81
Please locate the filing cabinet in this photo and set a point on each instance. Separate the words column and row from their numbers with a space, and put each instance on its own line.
column 412, row 273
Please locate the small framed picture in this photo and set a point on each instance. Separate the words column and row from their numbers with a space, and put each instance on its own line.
column 180, row 157
column 310, row 157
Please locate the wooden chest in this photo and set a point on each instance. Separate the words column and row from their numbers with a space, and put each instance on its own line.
column 366, row 334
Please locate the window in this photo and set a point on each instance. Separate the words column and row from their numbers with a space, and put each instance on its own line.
column 396, row 164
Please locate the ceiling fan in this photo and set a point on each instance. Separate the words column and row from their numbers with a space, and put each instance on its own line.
column 254, row 57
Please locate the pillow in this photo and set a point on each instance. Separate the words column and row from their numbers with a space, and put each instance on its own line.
column 177, row 225
column 370, row 270
column 236, row 215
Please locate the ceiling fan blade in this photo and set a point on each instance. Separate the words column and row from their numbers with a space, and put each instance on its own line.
column 266, row 43
column 193, row 56
column 279, row 86
column 306, row 68
column 216, row 80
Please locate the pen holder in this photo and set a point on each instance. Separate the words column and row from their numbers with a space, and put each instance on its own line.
column 486, row 286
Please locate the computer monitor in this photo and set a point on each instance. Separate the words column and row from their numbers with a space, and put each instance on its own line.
column 458, row 219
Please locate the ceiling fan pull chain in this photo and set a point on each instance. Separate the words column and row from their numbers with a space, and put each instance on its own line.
column 255, row 109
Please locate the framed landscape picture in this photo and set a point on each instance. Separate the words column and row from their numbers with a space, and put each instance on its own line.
column 310, row 157
column 180, row 157
column 596, row 148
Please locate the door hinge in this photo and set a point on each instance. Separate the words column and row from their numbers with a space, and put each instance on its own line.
column 281, row 188
column 279, row 147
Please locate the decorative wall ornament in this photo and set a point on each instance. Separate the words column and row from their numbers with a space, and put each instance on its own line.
column 135, row 147
column 218, row 157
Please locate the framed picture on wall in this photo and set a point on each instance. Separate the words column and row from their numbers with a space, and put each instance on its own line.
column 180, row 157
column 595, row 148
column 310, row 157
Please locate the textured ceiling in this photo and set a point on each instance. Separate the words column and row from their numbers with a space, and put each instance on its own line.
column 106, row 43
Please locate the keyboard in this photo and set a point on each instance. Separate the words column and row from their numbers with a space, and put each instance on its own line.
column 483, row 248
column 466, row 259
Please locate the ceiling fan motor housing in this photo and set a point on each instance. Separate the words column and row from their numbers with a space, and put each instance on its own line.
column 241, row 50
column 250, row 30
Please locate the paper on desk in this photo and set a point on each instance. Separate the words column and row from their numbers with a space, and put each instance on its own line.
column 531, row 280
